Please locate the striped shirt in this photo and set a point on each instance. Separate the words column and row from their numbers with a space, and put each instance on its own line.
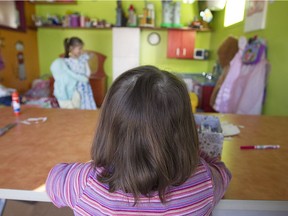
column 76, row 185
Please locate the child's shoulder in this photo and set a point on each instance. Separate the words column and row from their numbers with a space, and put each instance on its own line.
column 201, row 171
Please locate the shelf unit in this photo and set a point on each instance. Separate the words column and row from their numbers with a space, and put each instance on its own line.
column 76, row 28
column 72, row 2
column 107, row 28
column 180, row 29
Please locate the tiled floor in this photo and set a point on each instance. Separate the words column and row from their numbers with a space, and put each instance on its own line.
column 20, row 208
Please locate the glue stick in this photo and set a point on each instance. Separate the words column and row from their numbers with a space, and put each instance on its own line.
column 16, row 103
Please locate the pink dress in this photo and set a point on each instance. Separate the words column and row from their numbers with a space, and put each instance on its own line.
column 223, row 99
column 248, row 91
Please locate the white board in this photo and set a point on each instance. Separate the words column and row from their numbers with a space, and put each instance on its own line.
column 255, row 15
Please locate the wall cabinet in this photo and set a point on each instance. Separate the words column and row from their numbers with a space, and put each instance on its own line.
column 181, row 44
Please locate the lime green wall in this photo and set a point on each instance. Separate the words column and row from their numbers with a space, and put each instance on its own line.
column 106, row 9
column 50, row 45
column 95, row 9
column 276, row 35
column 156, row 55
column 50, row 41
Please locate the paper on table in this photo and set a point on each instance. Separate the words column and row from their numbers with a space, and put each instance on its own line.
column 229, row 129
column 30, row 121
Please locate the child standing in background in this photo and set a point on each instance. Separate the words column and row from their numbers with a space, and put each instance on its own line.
column 77, row 62
column 145, row 155
column 71, row 75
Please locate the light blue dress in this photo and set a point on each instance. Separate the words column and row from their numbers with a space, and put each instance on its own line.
column 80, row 66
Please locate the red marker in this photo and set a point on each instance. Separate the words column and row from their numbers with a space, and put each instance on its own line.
column 260, row 147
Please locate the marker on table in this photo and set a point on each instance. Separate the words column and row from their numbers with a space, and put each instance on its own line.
column 6, row 128
column 260, row 147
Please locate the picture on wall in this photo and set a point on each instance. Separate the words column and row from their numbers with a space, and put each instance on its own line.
column 255, row 15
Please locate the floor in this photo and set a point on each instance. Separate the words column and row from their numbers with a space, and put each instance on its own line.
column 22, row 208
column 235, row 208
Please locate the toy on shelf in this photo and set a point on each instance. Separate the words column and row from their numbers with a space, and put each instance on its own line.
column 176, row 15
column 171, row 14
column 206, row 15
column 74, row 20
column 121, row 20
column 147, row 19
column 132, row 17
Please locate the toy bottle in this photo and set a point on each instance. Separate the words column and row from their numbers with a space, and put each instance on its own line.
column 121, row 19
column 82, row 21
column 150, row 15
column 119, row 14
column 176, row 15
column 16, row 103
column 167, row 13
column 132, row 19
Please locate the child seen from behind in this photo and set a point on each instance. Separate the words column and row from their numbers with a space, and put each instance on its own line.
column 145, row 155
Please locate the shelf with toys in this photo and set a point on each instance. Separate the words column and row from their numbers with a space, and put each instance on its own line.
column 70, row 27
column 145, row 20
column 53, row 2
column 107, row 28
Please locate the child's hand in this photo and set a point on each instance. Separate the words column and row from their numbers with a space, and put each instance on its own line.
column 91, row 55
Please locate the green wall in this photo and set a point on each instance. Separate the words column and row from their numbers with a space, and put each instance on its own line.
column 276, row 35
column 156, row 55
column 50, row 41
column 106, row 9
column 50, row 45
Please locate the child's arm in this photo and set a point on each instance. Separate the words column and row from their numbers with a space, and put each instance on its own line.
column 220, row 175
column 88, row 71
column 85, row 58
column 59, row 66
column 66, row 182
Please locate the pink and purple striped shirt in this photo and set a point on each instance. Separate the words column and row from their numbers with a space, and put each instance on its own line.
column 76, row 185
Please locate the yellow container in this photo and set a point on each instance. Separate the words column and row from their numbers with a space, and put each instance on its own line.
column 194, row 101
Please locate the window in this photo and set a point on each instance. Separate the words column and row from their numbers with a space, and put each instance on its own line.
column 234, row 12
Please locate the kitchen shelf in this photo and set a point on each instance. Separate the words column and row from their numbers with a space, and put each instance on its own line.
column 142, row 28
column 76, row 28
column 53, row 2
column 180, row 29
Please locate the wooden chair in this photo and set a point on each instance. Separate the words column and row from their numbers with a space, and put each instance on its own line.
column 97, row 78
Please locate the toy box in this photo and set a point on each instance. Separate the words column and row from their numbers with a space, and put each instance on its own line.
column 210, row 134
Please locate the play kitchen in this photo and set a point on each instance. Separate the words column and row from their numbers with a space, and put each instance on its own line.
column 202, row 84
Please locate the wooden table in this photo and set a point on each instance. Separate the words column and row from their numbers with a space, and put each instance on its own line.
column 27, row 153
column 257, row 174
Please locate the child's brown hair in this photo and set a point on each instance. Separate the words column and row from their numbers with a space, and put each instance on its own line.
column 146, row 139
column 71, row 42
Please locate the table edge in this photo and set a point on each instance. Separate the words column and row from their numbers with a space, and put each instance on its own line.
column 224, row 204
column 24, row 195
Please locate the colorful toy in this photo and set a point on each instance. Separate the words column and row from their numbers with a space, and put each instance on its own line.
column 206, row 15
column 253, row 52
